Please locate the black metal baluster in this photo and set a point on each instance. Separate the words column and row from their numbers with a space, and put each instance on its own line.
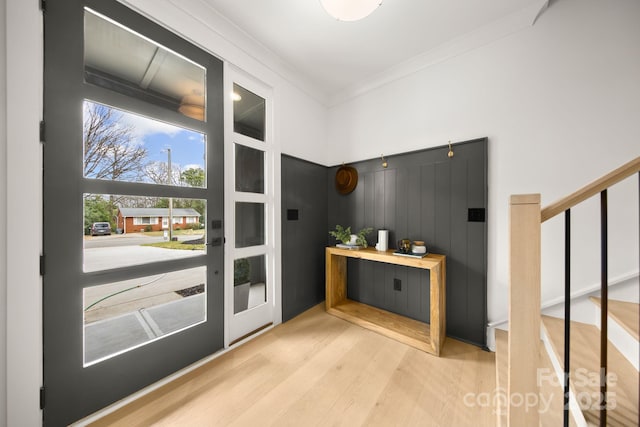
column 603, row 307
column 567, row 310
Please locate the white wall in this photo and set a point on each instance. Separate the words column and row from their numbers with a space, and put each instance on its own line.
column 3, row 218
column 24, row 210
column 559, row 103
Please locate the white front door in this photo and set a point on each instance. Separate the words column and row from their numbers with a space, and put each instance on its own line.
column 250, row 209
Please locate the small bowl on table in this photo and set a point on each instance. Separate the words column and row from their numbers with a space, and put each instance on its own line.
column 418, row 247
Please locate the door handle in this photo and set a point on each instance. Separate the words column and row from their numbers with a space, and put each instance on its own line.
column 217, row 241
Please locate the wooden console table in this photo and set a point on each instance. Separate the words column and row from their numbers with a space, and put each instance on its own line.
column 423, row 336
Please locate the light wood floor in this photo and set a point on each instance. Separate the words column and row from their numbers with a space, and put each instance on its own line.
column 320, row 370
column 550, row 390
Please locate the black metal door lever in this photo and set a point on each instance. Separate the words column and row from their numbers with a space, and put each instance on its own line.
column 217, row 241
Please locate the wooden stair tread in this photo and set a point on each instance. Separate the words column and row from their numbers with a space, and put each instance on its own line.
column 627, row 314
column 585, row 355
column 551, row 391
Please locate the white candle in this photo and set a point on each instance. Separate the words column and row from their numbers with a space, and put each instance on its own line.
column 383, row 240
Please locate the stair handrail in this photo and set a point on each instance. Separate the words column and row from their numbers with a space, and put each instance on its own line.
column 590, row 190
column 526, row 218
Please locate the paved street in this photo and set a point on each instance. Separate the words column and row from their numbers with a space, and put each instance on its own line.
column 121, row 250
column 132, row 239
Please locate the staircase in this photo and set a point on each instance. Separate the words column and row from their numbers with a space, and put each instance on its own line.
column 585, row 385
column 598, row 372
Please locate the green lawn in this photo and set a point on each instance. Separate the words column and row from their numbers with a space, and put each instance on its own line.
column 175, row 232
column 176, row 245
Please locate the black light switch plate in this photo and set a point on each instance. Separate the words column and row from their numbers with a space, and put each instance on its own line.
column 292, row 214
column 476, row 215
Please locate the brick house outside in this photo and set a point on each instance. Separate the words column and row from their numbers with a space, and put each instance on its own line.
column 133, row 220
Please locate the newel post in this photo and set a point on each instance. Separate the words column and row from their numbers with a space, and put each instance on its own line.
column 524, row 309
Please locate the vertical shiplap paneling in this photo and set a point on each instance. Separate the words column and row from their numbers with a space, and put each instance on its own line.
column 425, row 206
column 423, row 195
column 477, row 244
column 458, row 242
column 378, row 208
column 304, row 189
column 442, row 205
column 402, row 206
column 414, row 291
column 367, row 183
column 390, row 201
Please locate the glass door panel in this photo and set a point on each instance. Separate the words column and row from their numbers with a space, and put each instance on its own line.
column 123, row 146
column 249, row 283
column 249, row 113
column 249, row 224
column 122, row 231
column 121, row 60
column 123, row 315
column 249, row 164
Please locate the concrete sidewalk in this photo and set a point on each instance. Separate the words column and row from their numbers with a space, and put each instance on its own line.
column 121, row 333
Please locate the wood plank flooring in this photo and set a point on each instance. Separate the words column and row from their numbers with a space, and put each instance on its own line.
column 550, row 389
column 320, row 370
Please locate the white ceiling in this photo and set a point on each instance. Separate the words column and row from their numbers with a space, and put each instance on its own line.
column 337, row 55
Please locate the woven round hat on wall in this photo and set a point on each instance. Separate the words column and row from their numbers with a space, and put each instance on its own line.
column 346, row 179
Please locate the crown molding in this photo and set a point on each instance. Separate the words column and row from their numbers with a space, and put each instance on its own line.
column 487, row 34
column 200, row 23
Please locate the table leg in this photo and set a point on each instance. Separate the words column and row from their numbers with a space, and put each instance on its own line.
column 336, row 280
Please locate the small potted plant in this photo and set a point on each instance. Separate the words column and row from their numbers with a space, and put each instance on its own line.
column 344, row 235
column 241, row 284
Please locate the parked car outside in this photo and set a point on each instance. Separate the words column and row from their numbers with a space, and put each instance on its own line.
column 100, row 229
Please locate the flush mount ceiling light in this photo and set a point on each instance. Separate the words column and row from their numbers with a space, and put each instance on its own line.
column 350, row 10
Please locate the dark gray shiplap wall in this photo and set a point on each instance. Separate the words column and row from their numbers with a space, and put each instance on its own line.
column 422, row 195
column 304, row 194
